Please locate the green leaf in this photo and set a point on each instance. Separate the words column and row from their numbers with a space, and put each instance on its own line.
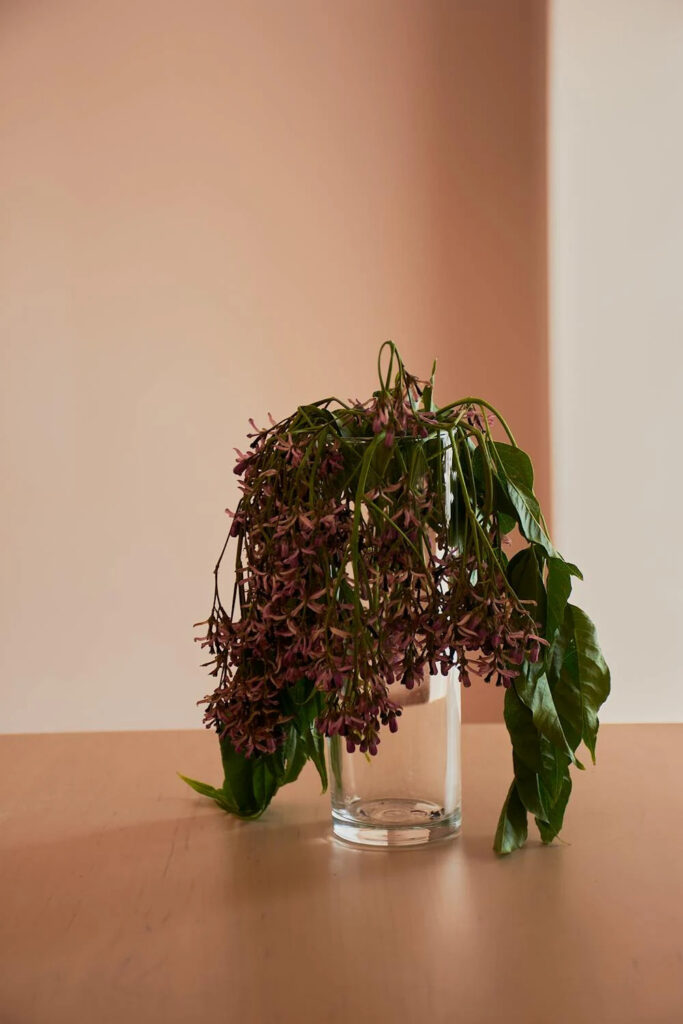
column 520, row 726
column 516, row 463
column 529, row 789
column 314, row 415
column 315, row 750
column 250, row 783
column 305, row 704
column 238, row 784
column 554, row 766
column 564, row 683
column 526, row 754
column 559, row 587
column 581, row 677
column 593, row 673
column 558, row 776
column 506, row 523
column 524, row 575
column 541, row 770
column 516, row 476
column 533, row 689
column 512, row 825
column 427, row 398
column 295, row 758
column 206, row 790
column 264, row 781
column 428, row 393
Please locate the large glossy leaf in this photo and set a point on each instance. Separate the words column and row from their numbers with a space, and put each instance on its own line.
column 238, row 782
column 529, row 789
column 524, row 575
column 554, row 766
column 516, row 476
column 581, row 678
column 516, row 463
column 555, row 786
column 548, row 715
column 315, row 750
column 551, row 824
column 295, row 758
column 559, row 587
column 534, row 690
column 505, row 510
column 541, row 770
column 523, row 733
column 564, row 683
column 210, row 791
column 506, row 522
column 250, row 783
column 526, row 758
column 512, row 824
column 305, row 704
column 593, row 673
column 264, row 781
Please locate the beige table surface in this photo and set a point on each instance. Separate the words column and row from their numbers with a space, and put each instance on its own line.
column 126, row 897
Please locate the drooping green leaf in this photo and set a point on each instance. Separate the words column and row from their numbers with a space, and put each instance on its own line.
column 534, row 690
column 522, row 731
column 511, row 832
column 551, row 822
column 315, row 749
column 506, row 523
column 250, row 783
column 295, row 758
column 529, row 789
column 564, row 683
column 594, row 675
column 524, row 575
column 526, row 758
column 541, row 770
column 516, row 478
column 516, row 463
column 559, row 587
column 205, row 790
column 238, row 781
column 305, row 704
column 554, row 766
column 581, row 676
column 264, row 781
column 485, row 468
column 318, row 416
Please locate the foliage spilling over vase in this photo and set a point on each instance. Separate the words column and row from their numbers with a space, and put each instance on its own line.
column 370, row 550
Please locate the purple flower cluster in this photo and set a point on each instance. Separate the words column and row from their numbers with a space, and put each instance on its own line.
column 485, row 626
column 345, row 580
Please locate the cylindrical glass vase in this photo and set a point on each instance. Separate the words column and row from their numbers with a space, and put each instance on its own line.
column 409, row 793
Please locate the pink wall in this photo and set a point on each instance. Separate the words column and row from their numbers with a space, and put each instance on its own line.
column 494, row 260
column 213, row 210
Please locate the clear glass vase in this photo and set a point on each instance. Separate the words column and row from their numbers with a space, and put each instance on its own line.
column 410, row 792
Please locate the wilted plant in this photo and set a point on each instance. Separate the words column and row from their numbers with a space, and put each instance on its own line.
column 369, row 547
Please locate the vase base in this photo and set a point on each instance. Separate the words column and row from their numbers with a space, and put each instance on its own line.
column 394, row 822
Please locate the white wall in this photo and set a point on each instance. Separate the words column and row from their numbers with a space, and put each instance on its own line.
column 616, row 258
